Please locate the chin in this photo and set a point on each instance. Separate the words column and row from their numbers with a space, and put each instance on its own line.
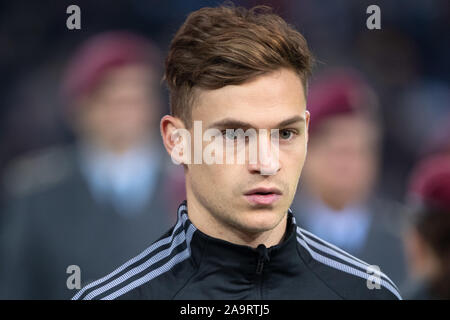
column 260, row 220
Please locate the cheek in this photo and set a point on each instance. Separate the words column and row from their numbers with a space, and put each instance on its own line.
column 292, row 163
column 130, row 116
column 94, row 119
column 293, row 157
column 213, row 179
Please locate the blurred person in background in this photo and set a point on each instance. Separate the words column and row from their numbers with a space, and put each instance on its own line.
column 94, row 203
column 338, row 201
column 428, row 238
column 439, row 141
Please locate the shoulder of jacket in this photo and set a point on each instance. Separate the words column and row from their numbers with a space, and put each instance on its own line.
column 347, row 275
column 143, row 276
column 37, row 171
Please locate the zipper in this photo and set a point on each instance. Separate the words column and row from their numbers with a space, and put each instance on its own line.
column 263, row 258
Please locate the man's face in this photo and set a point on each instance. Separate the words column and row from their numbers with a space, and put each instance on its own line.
column 342, row 161
column 122, row 108
column 264, row 103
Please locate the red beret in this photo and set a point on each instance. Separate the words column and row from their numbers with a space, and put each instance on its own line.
column 338, row 92
column 430, row 182
column 100, row 54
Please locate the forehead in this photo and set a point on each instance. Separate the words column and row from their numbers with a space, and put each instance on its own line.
column 345, row 129
column 264, row 101
column 346, row 125
column 124, row 80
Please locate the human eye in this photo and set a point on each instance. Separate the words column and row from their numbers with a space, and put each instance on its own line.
column 287, row 134
column 229, row 134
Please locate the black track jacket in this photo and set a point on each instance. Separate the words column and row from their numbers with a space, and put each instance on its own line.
column 188, row 264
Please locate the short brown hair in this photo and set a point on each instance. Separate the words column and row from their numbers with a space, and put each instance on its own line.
column 230, row 45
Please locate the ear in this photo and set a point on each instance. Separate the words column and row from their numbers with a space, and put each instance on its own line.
column 307, row 119
column 173, row 134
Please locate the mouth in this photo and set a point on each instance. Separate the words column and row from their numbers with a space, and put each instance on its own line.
column 263, row 196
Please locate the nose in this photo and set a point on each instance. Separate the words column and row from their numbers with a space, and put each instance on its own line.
column 267, row 161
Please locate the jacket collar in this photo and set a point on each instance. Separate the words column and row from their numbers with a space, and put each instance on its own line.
column 220, row 255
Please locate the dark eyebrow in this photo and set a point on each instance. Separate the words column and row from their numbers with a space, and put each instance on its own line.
column 235, row 123
column 291, row 121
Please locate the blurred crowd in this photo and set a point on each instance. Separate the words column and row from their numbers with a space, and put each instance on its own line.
column 85, row 179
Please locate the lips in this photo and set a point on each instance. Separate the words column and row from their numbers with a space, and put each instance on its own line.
column 263, row 196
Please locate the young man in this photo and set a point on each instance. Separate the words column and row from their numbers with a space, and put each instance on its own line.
column 236, row 238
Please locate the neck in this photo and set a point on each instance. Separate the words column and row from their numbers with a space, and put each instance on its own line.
column 207, row 223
